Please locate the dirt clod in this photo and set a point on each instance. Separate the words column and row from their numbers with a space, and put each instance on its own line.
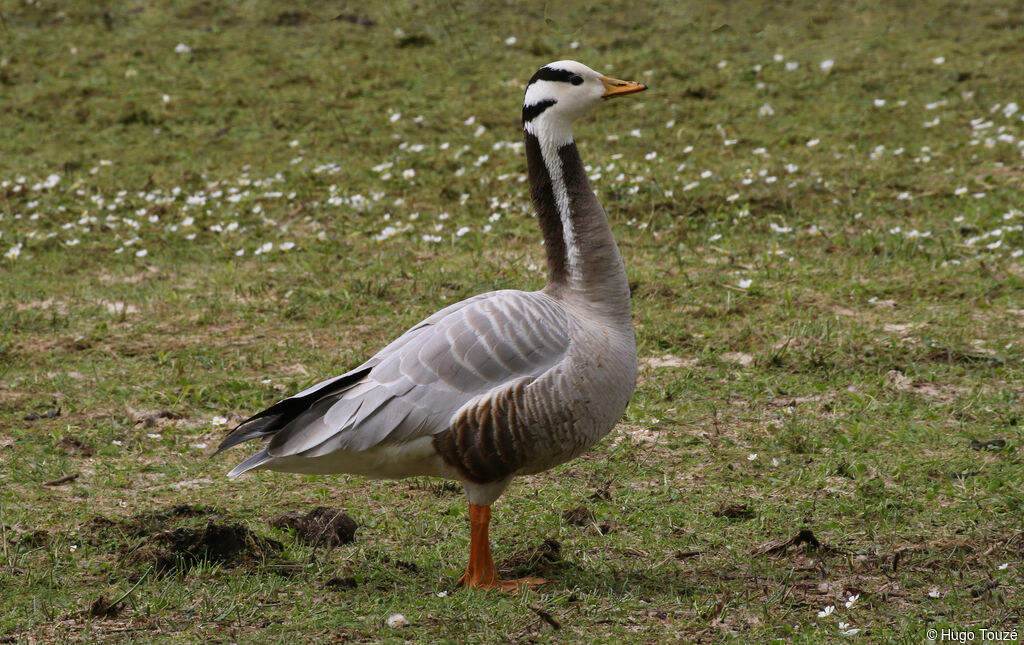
column 542, row 560
column 75, row 446
column 151, row 419
column 579, row 516
column 338, row 582
column 804, row 536
column 604, row 528
column 322, row 526
column 991, row 443
column 183, row 548
column 102, row 608
column 734, row 512
column 603, row 492
column 50, row 414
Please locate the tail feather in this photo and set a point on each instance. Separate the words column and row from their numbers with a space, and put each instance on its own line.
column 252, row 428
column 272, row 420
column 254, row 461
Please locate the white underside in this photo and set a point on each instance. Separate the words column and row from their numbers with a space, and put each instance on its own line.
column 390, row 461
column 415, row 458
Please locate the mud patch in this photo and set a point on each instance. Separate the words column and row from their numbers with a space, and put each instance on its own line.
column 103, row 529
column 321, row 527
column 217, row 543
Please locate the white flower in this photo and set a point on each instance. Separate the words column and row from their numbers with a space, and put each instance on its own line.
column 574, row 44
column 752, row 456
column 879, row 102
column 934, row 593
column 765, row 110
column 827, row 65
column 511, row 40
column 141, row 253
column 166, row 98
column 938, row 60
column 826, row 612
column 408, row 173
column 153, row 435
column 850, row 632
column 219, row 421
column 745, row 284
column 13, row 252
column 394, row 117
column 182, row 48
column 813, row 142
column 286, row 246
column 851, row 602
column 792, row 66
column 1004, row 565
column 636, row 133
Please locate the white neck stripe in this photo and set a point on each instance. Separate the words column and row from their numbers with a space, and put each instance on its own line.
column 550, row 140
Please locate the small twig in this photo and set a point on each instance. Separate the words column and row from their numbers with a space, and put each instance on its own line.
column 546, row 617
column 66, row 479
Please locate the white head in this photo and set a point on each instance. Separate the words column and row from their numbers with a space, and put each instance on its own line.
column 563, row 91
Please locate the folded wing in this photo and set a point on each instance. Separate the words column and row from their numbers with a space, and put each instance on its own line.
column 414, row 386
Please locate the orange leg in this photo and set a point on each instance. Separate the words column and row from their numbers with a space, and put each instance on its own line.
column 481, row 572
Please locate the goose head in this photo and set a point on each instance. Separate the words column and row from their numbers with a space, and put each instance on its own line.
column 561, row 92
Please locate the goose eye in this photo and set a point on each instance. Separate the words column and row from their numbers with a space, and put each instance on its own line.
column 576, row 80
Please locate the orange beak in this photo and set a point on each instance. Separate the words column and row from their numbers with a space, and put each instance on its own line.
column 614, row 87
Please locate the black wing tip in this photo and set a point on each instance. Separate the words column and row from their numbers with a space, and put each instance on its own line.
column 255, row 427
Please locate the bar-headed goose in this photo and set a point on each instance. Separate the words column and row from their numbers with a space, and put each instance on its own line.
column 505, row 383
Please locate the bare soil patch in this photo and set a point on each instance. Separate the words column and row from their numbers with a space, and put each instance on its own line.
column 320, row 527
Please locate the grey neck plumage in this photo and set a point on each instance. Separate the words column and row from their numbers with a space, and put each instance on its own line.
column 584, row 264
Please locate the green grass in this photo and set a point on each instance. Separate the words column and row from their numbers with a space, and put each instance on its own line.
column 818, row 350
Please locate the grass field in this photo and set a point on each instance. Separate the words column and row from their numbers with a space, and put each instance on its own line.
column 205, row 206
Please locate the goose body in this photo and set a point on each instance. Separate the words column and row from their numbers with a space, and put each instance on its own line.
column 502, row 384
